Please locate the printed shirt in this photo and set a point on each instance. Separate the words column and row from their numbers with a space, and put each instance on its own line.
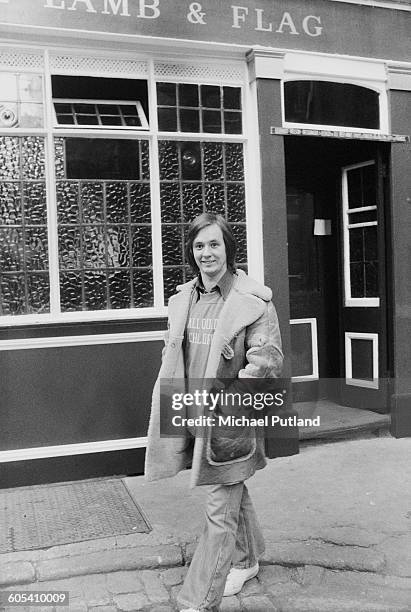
column 202, row 321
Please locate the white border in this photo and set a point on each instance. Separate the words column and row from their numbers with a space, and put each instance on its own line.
column 358, row 382
column 363, row 302
column 86, row 340
column 65, row 450
column 314, row 349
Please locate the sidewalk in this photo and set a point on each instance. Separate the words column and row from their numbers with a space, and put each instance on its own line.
column 337, row 523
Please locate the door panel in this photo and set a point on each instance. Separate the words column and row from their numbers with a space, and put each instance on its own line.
column 363, row 280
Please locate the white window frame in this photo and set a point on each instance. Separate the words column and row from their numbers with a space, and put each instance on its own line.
column 152, row 135
column 136, row 104
column 314, row 349
column 319, row 67
column 364, row 302
column 358, row 382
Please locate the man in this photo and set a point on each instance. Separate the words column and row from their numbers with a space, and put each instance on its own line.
column 222, row 326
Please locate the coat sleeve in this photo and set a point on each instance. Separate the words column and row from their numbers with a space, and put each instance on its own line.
column 264, row 357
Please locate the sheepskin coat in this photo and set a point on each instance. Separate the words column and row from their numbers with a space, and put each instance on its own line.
column 246, row 344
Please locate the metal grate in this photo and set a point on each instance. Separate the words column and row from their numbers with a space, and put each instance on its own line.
column 50, row 515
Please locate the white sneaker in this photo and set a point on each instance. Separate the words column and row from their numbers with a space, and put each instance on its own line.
column 237, row 577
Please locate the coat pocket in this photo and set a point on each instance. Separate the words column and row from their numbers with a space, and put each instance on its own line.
column 228, row 444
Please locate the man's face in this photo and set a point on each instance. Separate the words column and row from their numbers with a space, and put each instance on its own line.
column 209, row 253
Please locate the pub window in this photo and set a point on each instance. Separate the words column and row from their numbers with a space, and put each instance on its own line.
column 334, row 104
column 186, row 107
column 196, row 177
column 104, row 223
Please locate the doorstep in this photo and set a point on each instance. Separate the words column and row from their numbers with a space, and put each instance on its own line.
column 340, row 422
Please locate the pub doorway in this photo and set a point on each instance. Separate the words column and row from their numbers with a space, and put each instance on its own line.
column 337, row 248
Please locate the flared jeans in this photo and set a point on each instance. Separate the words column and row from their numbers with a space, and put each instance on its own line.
column 231, row 538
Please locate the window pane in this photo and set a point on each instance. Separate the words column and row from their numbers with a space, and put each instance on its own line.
column 167, row 119
column 24, row 278
column 320, row 102
column 189, row 120
column 212, row 121
column 188, row 94
column 166, row 94
column 103, row 158
column 210, row 96
column 104, row 226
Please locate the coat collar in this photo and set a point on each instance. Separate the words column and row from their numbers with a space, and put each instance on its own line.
column 245, row 303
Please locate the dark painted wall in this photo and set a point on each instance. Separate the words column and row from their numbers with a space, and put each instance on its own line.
column 274, row 206
column 401, row 247
column 69, row 395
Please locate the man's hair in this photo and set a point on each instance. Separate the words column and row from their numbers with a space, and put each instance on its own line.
column 199, row 223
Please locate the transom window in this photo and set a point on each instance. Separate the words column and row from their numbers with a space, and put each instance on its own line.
column 99, row 113
column 334, row 104
column 187, row 107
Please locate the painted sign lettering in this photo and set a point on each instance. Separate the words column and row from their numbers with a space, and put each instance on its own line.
column 312, row 25
column 241, row 16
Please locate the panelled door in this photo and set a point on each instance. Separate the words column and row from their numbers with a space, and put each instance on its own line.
column 363, row 311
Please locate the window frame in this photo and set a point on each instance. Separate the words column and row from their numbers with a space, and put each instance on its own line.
column 72, row 101
column 365, row 302
column 50, row 131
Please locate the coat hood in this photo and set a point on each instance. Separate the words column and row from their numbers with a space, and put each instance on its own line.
column 242, row 283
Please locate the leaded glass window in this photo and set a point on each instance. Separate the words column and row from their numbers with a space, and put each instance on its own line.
column 187, row 107
column 24, row 269
column 104, row 224
column 196, row 177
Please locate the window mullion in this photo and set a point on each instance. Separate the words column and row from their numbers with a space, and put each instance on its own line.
column 54, row 273
column 157, row 252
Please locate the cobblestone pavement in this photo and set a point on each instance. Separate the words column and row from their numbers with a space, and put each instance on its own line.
column 307, row 588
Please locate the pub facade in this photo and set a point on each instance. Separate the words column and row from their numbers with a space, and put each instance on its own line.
column 121, row 120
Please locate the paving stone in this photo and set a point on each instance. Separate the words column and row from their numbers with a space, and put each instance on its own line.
column 103, row 609
column 173, row 576
column 77, row 605
column 95, row 590
column 258, row 603
column 271, row 574
column 153, row 587
column 131, row 603
column 162, row 608
column 312, row 574
column 109, row 561
column 73, row 585
column 124, row 582
column 16, row 573
column 230, row 604
column 325, row 555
